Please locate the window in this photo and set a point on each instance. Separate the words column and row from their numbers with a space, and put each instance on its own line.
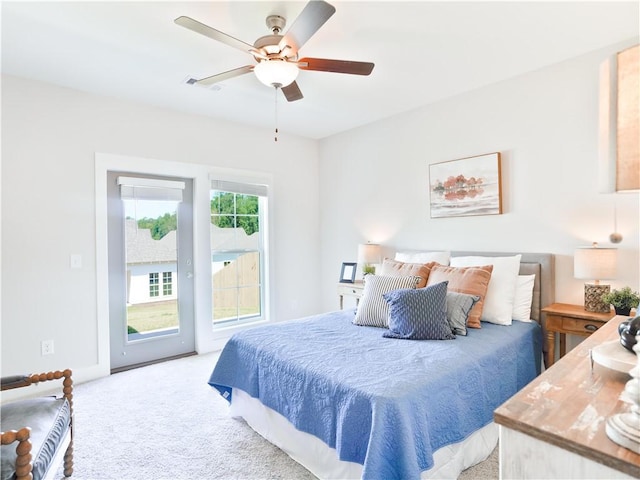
column 237, row 251
column 154, row 288
column 167, row 285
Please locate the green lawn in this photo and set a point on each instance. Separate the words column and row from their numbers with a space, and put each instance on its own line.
column 147, row 317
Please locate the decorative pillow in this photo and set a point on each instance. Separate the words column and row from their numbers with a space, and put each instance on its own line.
column 373, row 310
column 523, row 298
column 458, row 307
column 419, row 314
column 423, row 257
column 498, row 304
column 394, row 268
column 471, row 280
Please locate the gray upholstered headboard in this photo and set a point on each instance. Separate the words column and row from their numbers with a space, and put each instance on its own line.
column 543, row 265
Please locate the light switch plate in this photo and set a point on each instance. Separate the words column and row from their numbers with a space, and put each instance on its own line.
column 76, row 261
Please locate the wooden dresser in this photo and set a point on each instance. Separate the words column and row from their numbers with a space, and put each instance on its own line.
column 555, row 426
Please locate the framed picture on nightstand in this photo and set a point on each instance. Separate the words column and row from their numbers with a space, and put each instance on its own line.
column 348, row 272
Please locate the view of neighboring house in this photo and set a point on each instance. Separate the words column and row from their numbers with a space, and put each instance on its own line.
column 151, row 264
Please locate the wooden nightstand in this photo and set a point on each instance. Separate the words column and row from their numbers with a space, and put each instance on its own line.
column 563, row 318
column 350, row 290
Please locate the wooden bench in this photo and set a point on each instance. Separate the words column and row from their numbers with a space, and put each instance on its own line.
column 42, row 428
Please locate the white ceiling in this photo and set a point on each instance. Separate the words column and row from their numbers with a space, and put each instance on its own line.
column 423, row 52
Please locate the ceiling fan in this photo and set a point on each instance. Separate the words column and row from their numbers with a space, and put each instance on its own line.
column 276, row 54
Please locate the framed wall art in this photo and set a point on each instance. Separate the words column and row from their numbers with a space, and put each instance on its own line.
column 465, row 187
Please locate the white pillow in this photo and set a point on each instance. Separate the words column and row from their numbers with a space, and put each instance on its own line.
column 498, row 302
column 523, row 298
column 423, row 257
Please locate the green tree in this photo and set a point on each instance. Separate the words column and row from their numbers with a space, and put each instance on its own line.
column 230, row 210
column 159, row 226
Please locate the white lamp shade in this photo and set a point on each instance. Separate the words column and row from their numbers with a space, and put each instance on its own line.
column 595, row 263
column 276, row 73
column 368, row 253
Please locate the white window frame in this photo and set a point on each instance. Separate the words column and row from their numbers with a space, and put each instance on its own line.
column 154, row 285
column 262, row 192
column 207, row 339
column 166, row 284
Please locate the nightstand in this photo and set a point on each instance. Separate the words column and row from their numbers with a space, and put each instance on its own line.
column 563, row 318
column 350, row 290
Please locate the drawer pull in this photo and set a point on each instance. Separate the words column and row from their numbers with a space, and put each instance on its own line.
column 590, row 328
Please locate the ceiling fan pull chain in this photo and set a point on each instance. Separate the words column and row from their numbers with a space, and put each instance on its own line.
column 275, row 89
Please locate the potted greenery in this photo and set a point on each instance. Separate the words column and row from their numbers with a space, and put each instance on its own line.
column 623, row 300
column 368, row 269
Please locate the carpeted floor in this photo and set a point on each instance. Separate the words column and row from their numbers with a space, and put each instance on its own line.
column 164, row 422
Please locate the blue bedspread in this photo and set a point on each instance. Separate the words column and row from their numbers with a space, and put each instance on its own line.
column 385, row 403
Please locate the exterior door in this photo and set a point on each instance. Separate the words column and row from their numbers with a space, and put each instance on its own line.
column 150, row 235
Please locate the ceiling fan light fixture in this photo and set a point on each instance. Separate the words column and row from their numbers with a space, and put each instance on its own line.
column 276, row 73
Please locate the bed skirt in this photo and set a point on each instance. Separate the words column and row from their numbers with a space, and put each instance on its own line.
column 321, row 460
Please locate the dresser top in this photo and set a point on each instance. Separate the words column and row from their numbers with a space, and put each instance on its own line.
column 569, row 404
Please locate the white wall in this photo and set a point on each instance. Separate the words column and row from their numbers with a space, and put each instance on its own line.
column 374, row 180
column 50, row 136
column 367, row 184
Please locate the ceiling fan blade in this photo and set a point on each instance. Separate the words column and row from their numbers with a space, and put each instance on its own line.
column 207, row 31
column 312, row 17
column 205, row 82
column 336, row 66
column 292, row 92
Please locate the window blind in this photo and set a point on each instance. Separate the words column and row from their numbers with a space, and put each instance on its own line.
column 132, row 188
column 242, row 188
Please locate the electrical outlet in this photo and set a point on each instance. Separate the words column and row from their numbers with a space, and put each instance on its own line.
column 46, row 347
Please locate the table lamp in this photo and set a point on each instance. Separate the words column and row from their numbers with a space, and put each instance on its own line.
column 368, row 256
column 595, row 263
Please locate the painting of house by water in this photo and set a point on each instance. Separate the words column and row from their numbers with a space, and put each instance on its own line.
column 467, row 186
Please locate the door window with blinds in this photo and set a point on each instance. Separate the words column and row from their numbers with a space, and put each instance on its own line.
column 151, row 255
column 238, row 232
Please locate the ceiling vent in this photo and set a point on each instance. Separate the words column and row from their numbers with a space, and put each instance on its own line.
column 194, row 81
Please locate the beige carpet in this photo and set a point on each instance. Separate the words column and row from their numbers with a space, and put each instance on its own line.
column 164, row 422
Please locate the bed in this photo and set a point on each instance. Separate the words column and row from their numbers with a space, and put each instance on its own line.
column 346, row 402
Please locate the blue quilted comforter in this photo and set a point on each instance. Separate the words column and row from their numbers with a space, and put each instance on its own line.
column 385, row 403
